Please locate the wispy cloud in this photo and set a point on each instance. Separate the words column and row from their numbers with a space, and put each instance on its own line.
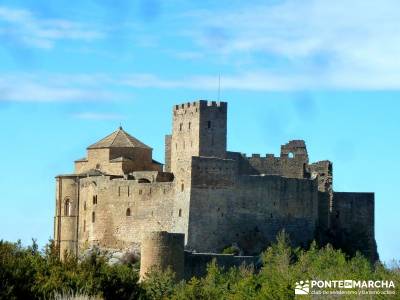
column 95, row 87
column 252, row 81
column 98, row 116
column 23, row 87
column 269, row 81
column 341, row 44
column 23, row 27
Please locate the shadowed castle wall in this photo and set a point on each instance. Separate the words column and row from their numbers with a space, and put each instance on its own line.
column 291, row 163
column 249, row 210
column 196, row 263
column 353, row 222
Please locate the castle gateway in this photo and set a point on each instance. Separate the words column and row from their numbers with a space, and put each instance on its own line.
column 217, row 198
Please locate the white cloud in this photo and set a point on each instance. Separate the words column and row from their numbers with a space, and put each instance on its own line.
column 337, row 44
column 23, row 87
column 269, row 81
column 22, row 26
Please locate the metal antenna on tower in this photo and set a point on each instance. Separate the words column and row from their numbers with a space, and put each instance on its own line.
column 219, row 85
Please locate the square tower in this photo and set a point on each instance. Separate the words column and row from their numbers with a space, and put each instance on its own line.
column 198, row 129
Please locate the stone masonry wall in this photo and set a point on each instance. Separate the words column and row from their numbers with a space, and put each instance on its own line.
column 196, row 263
column 353, row 223
column 124, row 211
column 292, row 162
column 66, row 215
column 167, row 166
column 251, row 212
column 106, row 161
column 213, row 129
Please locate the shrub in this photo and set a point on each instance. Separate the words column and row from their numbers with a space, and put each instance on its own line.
column 27, row 273
column 231, row 250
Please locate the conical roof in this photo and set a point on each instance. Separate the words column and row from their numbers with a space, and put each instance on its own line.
column 118, row 139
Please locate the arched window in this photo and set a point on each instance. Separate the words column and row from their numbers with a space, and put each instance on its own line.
column 182, row 187
column 93, row 217
column 290, row 154
column 67, row 208
column 128, row 212
column 94, row 199
column 180, row 213
column 189, row 125
column 84, row 205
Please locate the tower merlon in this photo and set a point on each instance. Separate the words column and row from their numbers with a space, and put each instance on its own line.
column 201, row 104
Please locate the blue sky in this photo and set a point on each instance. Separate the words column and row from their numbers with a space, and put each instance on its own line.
column 324, row 71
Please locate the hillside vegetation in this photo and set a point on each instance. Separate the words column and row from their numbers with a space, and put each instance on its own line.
column 28, row 273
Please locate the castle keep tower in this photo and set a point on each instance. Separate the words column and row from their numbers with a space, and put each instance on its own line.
column 198, row 129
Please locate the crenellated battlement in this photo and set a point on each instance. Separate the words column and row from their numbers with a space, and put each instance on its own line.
column 200, row 104
column 258, row 155
column 186, row 105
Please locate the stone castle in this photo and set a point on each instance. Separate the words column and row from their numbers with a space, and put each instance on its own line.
column 118, row 194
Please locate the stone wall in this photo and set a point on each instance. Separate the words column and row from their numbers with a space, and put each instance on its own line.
column 161, row 250
column 66, row 215
column 353, row 223
column 292, row 162
column 214, row 172
column 196, row 263
column 118, row 212
column 324, row 216
column 251, row 212
column 117, row 161
column 322, row 170
column 213, row 129
column 167, row 166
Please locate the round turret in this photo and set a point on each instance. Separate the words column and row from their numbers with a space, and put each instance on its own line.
column 162, row 250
